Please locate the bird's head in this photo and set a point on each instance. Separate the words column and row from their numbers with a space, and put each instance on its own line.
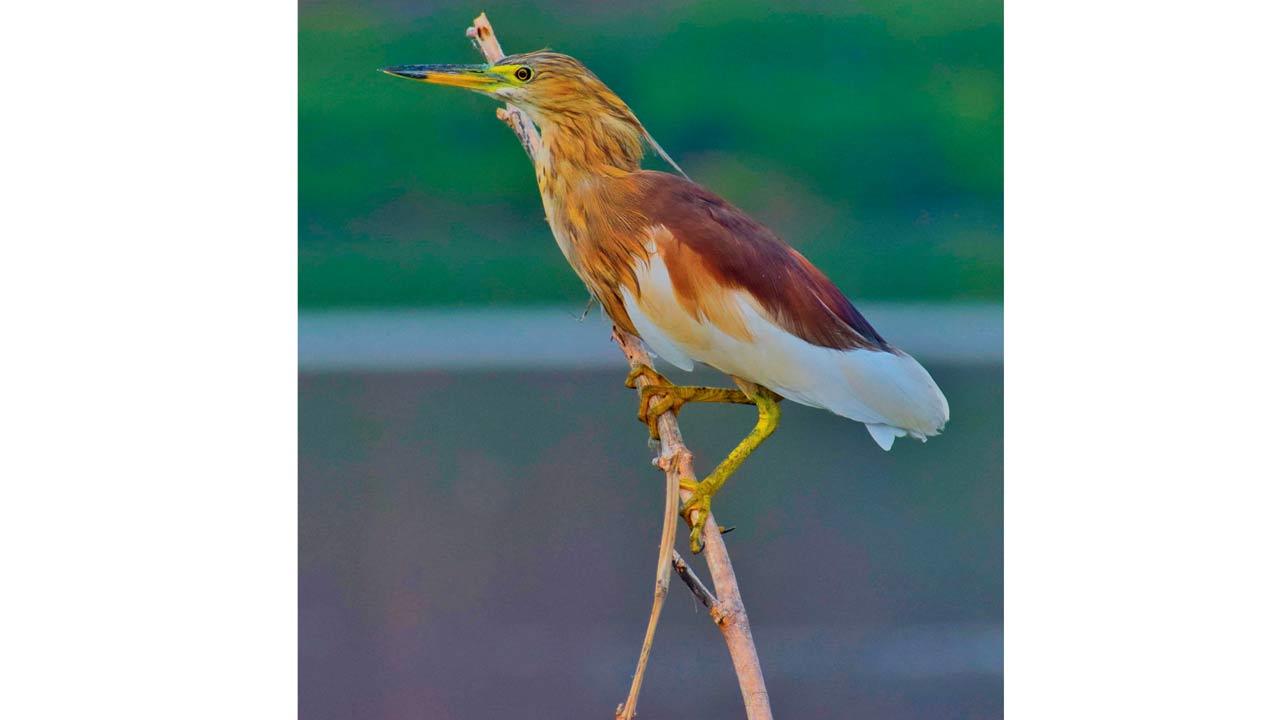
column 546, row 85
column 556, row 91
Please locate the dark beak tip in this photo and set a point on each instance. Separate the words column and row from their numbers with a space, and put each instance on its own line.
column 397, row 71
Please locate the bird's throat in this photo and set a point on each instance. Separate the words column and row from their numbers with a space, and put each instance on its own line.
column 592, row 145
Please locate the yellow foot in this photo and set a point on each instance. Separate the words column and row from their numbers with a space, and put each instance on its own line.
column 695, row 513
column 659, row 395
column 659, row 387
column 647, row 372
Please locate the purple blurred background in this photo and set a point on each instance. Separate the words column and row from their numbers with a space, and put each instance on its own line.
column 481, row 544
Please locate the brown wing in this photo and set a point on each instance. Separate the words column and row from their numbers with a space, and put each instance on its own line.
column 718, row 246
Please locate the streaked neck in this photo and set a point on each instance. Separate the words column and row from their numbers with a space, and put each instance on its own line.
column 597, row 143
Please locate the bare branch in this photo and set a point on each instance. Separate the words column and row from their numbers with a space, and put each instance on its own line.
column 481, row 34
column 673, row 460
column 677, row 462
column 732, row 616
column 695, row 584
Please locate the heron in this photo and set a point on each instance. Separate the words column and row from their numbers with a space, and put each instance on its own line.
column 697, row 279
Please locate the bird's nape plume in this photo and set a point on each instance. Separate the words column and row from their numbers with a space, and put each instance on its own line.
column 663, row 154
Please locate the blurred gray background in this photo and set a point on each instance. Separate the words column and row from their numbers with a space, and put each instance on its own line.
column 480, row 542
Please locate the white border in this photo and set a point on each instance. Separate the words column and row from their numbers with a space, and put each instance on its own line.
column 148, row 521
column 1141, row 485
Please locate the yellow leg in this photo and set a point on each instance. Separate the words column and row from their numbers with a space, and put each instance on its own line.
column 673, row 397
column 703, row 491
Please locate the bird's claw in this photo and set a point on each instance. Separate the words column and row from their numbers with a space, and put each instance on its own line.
column 664, row 399
column 660, row 391
column 695, row 512
column 653, row 376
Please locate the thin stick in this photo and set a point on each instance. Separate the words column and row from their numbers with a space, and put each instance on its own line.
column 731, row 616
column 481, row 34
column 727, row 609
column 666, row 548
column 671, row 460
column 694, row 582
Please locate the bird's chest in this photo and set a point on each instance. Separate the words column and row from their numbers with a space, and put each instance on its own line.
column 565, row 233
column 593, row 234
column 554, row 191
column 573, row 213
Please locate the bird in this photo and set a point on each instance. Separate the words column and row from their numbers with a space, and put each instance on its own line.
column 696, row 278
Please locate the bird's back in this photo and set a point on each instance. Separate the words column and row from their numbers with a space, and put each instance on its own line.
column 708, row 283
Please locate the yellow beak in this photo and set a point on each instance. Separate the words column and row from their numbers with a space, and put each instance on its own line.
column 471, row 77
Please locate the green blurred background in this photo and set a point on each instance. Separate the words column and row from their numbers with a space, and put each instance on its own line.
column 868, row 134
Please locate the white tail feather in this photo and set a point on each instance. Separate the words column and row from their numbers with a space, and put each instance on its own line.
column 884, row 435
column 887, row 390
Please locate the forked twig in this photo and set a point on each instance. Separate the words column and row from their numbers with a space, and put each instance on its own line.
column 672, row 458
column 676, row 461
column 727, row 610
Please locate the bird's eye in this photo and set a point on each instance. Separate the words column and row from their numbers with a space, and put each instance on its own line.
column 523, row 74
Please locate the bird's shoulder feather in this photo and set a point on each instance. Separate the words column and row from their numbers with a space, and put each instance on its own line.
column 710, row 247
